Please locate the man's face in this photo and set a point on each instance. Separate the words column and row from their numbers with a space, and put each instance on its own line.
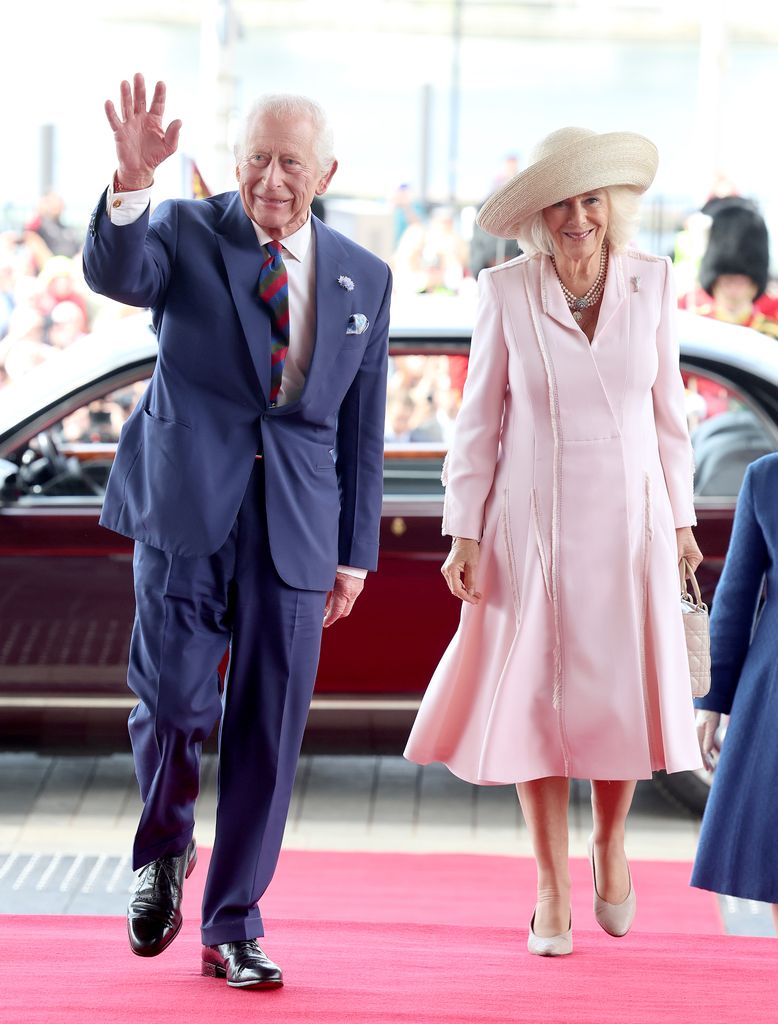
column 279, row 174
column 734, row 291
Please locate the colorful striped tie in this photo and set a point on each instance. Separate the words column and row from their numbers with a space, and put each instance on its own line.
column 274, row 292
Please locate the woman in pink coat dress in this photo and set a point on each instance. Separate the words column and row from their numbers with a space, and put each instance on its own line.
column 569, row 501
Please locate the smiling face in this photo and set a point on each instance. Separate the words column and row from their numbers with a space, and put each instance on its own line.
column 279, row 174
column 578, row 225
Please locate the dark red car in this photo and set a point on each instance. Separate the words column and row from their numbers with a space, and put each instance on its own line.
column 66, row 602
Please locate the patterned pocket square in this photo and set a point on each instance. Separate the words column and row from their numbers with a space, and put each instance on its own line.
column 358, row 323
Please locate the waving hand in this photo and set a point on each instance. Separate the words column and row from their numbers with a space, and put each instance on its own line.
column 141, row 142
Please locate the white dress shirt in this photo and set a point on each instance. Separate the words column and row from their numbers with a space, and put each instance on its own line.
column 299, row 256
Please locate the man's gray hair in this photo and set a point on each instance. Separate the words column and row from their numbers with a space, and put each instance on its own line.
column 289, row 105
column 623, row 219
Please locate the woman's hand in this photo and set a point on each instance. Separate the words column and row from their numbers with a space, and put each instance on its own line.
column 707, row 725
column 459, row 569
column 687, row 548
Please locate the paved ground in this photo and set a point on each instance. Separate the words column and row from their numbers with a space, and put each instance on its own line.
column 66, row 824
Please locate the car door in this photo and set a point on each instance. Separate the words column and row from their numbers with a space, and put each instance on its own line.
column 66, row 600
column 730, row 426
column 381, row 658
column 731, row 423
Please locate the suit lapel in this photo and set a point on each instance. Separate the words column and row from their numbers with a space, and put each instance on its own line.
column 610, row 346
column 612, row 297
column 242, row 258
column 600, row 366
column 552, row 298
column 555, row 305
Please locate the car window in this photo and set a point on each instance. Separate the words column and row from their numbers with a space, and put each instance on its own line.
column 100, row 421
column 727, row 431
column 424, row 393
column 72, row 458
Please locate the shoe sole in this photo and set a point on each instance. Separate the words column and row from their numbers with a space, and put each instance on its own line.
column 209, row 970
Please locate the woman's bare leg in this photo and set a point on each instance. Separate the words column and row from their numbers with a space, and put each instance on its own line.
column 775, row 917
column 611, row 802
column 544, row 805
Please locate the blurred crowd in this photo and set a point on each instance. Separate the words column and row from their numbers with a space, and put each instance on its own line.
column 441, row 251
column 721, row 260
column 721, row 256
column 423, row 397
column 44, row 303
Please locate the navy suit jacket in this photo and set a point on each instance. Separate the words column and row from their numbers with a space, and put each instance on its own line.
column 743, row 639
column 186, row 453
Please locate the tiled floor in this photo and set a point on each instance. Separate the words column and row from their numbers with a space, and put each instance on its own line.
column 66, row 824
column 69, row 804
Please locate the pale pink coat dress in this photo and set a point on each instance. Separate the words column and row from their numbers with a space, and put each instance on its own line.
column 571, row 463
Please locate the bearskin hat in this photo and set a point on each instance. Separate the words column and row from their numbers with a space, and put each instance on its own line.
column 737, row 244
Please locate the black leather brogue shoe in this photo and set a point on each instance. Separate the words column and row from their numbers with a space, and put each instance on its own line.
column 242, row 963
column 154, row 912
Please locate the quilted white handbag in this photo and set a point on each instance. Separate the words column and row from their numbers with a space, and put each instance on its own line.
column 695, row 624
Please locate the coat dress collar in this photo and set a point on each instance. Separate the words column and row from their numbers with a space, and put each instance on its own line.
column 555, row 305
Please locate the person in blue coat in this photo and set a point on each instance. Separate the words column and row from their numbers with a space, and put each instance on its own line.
column 737, row 849
column 250, row 476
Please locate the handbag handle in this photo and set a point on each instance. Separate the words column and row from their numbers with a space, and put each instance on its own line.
column 687, row 574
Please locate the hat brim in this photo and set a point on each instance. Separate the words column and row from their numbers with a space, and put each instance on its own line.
column 587, row 164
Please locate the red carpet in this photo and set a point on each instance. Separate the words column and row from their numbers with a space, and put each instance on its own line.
column 416, row 938
column 459, row 889
column 79, row 970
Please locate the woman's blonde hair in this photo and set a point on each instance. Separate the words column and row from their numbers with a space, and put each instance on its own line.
column 623, row 219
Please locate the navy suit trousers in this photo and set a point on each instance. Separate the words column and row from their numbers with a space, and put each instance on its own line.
column 188, row 611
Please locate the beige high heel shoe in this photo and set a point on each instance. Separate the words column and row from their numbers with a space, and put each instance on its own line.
column 550, row 945
column 614, row 918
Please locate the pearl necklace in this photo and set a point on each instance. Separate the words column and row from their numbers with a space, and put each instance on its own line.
column 592, row 297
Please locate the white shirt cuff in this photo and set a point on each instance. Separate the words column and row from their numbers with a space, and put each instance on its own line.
column 126, row 207
column 350, row 570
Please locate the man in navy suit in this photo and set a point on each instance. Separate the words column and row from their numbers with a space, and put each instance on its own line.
column 250, row 477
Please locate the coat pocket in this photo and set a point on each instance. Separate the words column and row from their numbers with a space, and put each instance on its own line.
column 165, row 420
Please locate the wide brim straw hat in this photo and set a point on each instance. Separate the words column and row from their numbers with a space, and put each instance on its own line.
column 569, row 162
